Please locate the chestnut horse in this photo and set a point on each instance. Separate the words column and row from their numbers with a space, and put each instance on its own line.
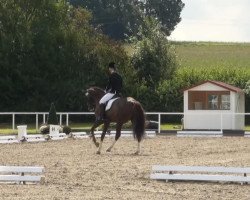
column 121, row 111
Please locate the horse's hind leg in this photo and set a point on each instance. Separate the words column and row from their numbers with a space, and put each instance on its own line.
column 117, row 136
column 105, row 128
column 138, row 149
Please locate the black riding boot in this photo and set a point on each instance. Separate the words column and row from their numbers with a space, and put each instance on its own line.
column 100, row 119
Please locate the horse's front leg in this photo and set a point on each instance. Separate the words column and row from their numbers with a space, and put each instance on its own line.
column 93, row 135
column 105, row 128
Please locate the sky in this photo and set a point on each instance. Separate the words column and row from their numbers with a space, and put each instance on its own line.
column 214, row 20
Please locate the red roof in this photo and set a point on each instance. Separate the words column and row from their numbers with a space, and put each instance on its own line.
column 220, row 84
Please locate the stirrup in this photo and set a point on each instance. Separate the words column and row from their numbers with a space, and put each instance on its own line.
column 100, row 121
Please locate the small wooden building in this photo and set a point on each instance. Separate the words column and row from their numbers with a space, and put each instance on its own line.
column 213, row 105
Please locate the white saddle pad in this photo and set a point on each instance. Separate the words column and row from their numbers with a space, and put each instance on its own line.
column 110, row 102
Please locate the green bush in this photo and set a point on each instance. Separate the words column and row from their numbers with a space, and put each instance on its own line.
column 66, row 129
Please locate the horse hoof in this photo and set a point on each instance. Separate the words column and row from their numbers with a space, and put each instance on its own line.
column 98, row 152
column 137, row 153
column 97, row 144
column 108, row 150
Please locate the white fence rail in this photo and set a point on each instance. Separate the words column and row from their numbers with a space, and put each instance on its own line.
column 66, row 116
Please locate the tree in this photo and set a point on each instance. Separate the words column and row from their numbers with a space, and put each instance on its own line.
column 120, row 19
column 166, row 11
column 154, row 61
column 52, row 118
column 49, row 52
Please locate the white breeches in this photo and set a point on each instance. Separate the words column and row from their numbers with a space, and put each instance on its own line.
column 106, row 97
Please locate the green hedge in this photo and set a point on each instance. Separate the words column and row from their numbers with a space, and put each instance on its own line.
column 171, row 91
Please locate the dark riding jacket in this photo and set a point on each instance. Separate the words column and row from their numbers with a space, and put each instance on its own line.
column 114, row 84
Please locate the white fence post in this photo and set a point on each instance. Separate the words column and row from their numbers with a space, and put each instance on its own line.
column 60, row 119
column 36, row 122
column 221, row 122
column 67, row 119
column 159, row 123
column 13, row 121
column 44, row 118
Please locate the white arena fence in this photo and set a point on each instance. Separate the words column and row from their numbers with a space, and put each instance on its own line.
column 64, row 117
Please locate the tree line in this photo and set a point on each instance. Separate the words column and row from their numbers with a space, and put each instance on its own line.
column 51, row 50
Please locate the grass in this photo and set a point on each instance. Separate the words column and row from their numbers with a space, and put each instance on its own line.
column 209, row 54
column 6, row 129
column 86, row 127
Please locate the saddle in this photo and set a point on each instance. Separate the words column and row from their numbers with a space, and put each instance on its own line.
column 111, row 101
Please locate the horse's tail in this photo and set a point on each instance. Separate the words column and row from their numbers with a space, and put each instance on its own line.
column 138, row 121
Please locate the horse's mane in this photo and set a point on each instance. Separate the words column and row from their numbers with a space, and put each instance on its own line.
column 97, row 88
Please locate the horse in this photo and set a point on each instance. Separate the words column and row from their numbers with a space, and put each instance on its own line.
column 121, row 111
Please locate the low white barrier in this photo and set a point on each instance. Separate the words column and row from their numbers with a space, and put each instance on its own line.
column 8, row 139
column 83, row 135
column 201, row 173
column 199, row 133
column 21, row 174
column 79, row 135
column 55, row 135
column 35, row 138
column 247, row 134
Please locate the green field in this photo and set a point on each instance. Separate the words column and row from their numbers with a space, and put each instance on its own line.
column 209, row 54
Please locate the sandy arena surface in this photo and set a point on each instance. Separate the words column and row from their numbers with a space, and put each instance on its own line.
column 74, row 171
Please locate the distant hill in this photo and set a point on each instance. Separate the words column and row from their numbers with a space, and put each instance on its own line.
column 213, row 54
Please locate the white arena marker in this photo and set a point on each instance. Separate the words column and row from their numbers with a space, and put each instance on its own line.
column 22, row 132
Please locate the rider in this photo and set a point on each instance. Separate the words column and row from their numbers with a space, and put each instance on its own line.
column 113, row 88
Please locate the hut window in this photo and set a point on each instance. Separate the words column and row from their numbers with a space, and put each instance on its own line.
column 209, row 100
column 213, row 102
column 225, row 102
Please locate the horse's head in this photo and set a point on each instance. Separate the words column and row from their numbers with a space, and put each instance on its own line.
column 93, row 94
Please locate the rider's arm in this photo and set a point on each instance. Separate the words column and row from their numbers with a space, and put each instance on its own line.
column 109, row 86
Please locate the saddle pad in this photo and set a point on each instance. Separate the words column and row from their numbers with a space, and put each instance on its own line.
column 109, row 104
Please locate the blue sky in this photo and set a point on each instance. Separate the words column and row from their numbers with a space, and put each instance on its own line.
column 214, row 20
